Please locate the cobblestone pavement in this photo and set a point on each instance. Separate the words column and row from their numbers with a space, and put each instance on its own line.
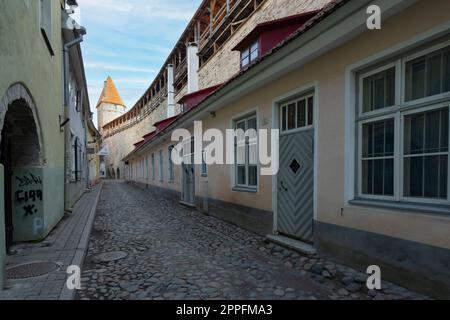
column 173, row 252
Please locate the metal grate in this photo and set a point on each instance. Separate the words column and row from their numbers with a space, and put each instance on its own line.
column 30, row 270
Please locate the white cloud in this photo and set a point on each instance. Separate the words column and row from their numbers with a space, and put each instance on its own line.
column 142, row 8
column 118, row 67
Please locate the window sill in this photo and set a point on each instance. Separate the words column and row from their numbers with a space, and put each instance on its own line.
column 245, row 189
column 404, row 206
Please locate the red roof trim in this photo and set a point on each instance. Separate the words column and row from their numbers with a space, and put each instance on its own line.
column 208, row 90
column 301, row 18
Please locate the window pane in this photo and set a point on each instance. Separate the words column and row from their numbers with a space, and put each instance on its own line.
column 378, row 176
column 252, row 175
column 245, row 53
column 413, row 135
column 379, row 90
column 428, row 75
column 413, row 175
column 444, row 130
column 415, row 79
column 367, row 140
column 301, row 113
column 283, row 118
column 367, row 173
column 378, row 139
column 240, row 152
column 254, row 52
column 241, row 175
column 379, row 93
column 378, row 144
column 240, row 125
column 389, row 177
column 310, row 111
column 254, row 47
column 389, row 138
column 291, row 116
column 431, row 176
column 447, row 71
column 432, row 132
column 434, row 75
column 444, row 177
column 251, row 123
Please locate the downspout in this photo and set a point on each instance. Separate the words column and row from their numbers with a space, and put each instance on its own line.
column 67, row 146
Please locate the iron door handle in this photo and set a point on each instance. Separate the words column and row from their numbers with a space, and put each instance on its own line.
column 282, row 186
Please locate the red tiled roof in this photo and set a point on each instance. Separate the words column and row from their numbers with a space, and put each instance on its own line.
column 191, row 100
column 110, row 94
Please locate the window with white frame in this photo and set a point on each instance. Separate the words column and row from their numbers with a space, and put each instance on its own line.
column 246, row 152
column 249, row 54
column 297, row 114
column 161, row 166
column 170, row 164
column 402, row 121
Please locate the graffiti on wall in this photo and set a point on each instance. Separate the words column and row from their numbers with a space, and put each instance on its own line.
column 28, row 194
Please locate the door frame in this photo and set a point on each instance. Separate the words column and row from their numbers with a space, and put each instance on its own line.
column 5, row 147
column 314, row 87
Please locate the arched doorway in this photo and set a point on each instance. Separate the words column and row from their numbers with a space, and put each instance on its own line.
column 21, row 158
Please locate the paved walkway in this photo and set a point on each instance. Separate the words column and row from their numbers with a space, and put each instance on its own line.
column 66, row 245
column 157, row 249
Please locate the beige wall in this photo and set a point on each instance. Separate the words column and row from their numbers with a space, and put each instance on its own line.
column 329, row 72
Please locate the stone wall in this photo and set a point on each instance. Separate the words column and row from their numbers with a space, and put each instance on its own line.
column 122, row 143
column 225, row 63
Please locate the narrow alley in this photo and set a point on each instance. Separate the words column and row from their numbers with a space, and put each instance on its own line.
column 173, row 252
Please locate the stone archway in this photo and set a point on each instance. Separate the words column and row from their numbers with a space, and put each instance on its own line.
column 17, row 93
column 21, row 156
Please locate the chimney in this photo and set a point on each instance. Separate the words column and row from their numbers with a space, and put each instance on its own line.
column 192, row 67
column 170, row 92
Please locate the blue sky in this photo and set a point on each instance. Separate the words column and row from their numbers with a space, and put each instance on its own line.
column 130, row 40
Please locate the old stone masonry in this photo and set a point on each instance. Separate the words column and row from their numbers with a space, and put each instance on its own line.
column 145, row 246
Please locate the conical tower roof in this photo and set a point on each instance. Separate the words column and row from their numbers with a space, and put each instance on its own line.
column 110, row 94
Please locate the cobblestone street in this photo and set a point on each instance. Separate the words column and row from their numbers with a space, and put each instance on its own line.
column 161, row 250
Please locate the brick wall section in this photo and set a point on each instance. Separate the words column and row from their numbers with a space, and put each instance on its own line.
column 226, row 63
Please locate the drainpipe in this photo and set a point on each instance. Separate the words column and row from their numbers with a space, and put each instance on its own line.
column 66, row 112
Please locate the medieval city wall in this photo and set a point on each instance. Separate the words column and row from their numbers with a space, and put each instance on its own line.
column 225, row 63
